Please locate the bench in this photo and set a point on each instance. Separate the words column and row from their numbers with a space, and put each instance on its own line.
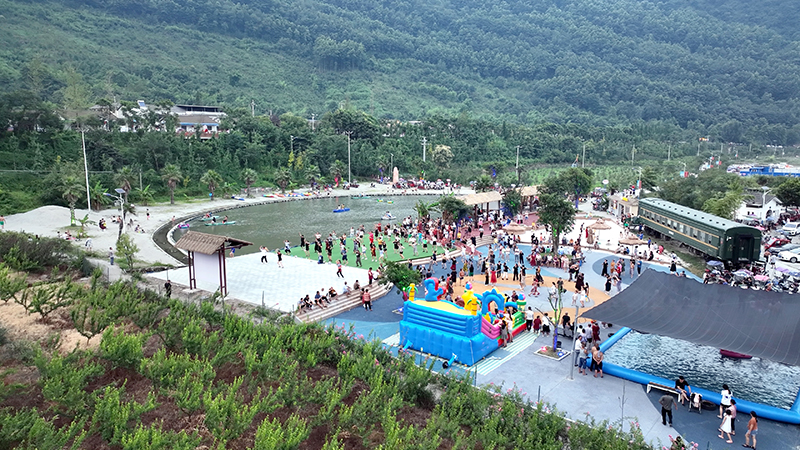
column 662, row 387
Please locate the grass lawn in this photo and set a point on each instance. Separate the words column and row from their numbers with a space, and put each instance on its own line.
column 366, row 259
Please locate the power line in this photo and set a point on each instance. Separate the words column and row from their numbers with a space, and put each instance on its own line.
column 49, row 171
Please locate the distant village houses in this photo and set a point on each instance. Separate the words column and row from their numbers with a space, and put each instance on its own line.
column 186, row 120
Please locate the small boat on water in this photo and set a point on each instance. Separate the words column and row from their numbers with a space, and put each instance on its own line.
column 735, row 355
column 213, row 224
column 388, row 217
column 206, row 219
column 183, row 225
column 341, row 210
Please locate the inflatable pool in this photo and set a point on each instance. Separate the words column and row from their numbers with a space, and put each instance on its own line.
column 341, row 210
column 792, row 415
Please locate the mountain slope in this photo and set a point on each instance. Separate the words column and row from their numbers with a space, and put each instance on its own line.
column 599, row 62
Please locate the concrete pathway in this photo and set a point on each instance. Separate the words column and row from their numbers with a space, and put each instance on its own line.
column 251, row 281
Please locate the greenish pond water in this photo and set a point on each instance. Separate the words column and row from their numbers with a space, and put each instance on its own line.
column 271, row 224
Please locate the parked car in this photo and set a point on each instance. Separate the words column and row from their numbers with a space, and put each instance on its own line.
column 776, row 242
column 790, row 255
column 784, row 248
column 791, row 228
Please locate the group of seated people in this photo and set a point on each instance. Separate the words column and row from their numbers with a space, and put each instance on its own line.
column 324, row 297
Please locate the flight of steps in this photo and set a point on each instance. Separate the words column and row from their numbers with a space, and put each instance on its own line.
column 343, row 303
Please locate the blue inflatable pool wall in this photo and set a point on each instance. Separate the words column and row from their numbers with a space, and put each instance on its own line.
column 791, row 415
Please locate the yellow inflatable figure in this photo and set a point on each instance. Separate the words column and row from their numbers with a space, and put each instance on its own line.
column 412, row 289
column 471, row 302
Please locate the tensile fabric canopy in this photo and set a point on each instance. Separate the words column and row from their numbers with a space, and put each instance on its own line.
column 757, row 323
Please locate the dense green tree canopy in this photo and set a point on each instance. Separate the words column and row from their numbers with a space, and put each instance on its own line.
column 727, row 70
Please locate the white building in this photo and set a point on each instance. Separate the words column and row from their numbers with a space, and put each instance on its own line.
column 758, row 205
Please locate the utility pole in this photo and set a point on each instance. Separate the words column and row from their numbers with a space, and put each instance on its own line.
column 698, row 149
column 633, row 152
column 291, row 143
column 669, row 151
column 312, row 121
column 583, row 163
column 518, row 176
column 348, row 133
column 86, row 171
column 424, row 147
column 252, row 108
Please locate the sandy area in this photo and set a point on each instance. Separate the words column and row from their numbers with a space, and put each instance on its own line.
column 22, row 326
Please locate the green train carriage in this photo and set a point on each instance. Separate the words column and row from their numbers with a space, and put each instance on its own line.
column 707, row 234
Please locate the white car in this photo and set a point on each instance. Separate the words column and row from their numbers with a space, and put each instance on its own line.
column 790, row 255
column 791, row 228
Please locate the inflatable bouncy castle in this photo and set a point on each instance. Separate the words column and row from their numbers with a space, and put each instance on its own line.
column 467, row 333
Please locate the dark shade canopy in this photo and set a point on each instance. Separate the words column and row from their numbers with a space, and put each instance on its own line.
column 757, row 323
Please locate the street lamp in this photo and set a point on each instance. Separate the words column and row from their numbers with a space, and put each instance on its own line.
column 348, row 133
column 121, row 199
column 291, row 143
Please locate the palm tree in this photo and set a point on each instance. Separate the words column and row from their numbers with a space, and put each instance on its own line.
column 283, row 176
column 71, row 190
column 337, row 169
column 249, row 176
column 312, row 173
column 213, row 180
column 172, row 175
column 98, row 196
column 124, row 178
column 144, row 196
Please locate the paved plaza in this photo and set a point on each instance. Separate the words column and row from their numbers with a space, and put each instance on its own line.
column 620, row 402
column 249, row 280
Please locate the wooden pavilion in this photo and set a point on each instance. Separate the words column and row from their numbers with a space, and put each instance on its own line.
column 206, row 254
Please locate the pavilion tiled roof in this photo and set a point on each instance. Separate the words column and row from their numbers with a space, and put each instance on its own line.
column 195, row 241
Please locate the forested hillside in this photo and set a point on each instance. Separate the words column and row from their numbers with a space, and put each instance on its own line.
column 697, row 64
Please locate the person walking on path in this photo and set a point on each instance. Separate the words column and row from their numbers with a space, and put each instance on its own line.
column 725, row 427
column 752, row 430
column 111, row 255
column 2, row 222
column 168, row 289
column 725, row 401
column 280, row 259
column 529, row 318
column 264, row 251
column 667, row 405
column 605, row 269
column 366, row 299
column 339, row 269
column 732, row 409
